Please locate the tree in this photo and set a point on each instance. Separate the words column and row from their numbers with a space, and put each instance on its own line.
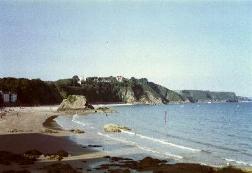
column 75, row 80
column 1, row 101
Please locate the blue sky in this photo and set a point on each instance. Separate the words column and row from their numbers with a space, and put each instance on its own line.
column 179, row 44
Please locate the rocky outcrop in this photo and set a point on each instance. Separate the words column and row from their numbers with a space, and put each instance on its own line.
column 127, row 95
column 148, row 164
column 244, row 99
column 74, row 102
column 144, row 92
column 136, row 91
column 115, row 128
column 104, row 109
column 150, row 98
column 77, row 131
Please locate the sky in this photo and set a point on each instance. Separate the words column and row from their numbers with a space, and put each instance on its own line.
column 186, row 44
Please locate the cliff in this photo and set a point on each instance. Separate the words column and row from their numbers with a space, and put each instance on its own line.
column 208, row 96
column 107, row 90
column 127, row 91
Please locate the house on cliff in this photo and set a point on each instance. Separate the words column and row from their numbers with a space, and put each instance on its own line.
column 105, row 79
column 119, row 78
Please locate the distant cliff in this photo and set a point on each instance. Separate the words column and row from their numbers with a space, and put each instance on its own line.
column 107, row 90
column 208, row 96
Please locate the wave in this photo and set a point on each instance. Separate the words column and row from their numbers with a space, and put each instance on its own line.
column 237, row 162
column 59, row 123
column 141, row 147
column 161, row 141
column 74, row 119
column 209, row 145
column 116, row 139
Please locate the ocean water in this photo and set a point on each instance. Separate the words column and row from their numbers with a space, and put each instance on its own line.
column 214, row 134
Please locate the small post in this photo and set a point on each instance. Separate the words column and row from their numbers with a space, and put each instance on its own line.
column 165, row 116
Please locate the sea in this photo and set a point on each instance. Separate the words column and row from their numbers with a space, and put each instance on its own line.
column 216, row 134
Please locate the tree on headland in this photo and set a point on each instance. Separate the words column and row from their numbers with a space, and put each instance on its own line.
column 75, row 80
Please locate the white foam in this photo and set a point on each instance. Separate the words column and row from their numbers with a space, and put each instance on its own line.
column 116, row 139
column 173, row 155
column 59, row 123
column 74, row 119
column 141, row 147
column 161, row 141
column 238, row 162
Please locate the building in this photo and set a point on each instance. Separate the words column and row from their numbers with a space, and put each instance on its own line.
column 8, row 97
column 82, row 80
column 119, row 78
column 13, row 98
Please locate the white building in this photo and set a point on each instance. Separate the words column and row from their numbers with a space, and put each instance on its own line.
column 8, row 97
column 13, row 98
column 119, row 78
column 82, row 79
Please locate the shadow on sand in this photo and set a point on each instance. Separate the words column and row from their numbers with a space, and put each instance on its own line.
column 79, row 159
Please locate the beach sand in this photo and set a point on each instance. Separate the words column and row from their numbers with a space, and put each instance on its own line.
column 28, row 128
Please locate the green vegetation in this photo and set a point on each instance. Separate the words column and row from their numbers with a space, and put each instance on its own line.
column 71, row 98
column 106, row 90
column 31, row 92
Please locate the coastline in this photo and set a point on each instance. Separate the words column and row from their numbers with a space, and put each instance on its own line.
column 198, row 164
column 44, row 134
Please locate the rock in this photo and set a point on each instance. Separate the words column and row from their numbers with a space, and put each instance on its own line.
column 54, row 157
column 95, row 146
column 116, row 159
column 74, row 102
column 32, row 154
column 89, row 106
column 15, row 131
column 104, row 109
column 149, row 98
column 50, row 131
column 6, row 158
column 77, row 131
column 148, row 162
column 62, row 153
column 59, row 155
column 115, row 128
column 127, row 95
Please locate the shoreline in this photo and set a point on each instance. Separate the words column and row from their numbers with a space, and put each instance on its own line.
column 166, row 167
column 200, row 163
column 38, row 138
column 113, row 104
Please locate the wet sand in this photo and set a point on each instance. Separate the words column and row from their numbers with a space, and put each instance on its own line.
column 23, row 129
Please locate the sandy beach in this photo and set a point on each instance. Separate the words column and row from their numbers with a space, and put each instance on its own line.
column 32, row 128
column 22, row 129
